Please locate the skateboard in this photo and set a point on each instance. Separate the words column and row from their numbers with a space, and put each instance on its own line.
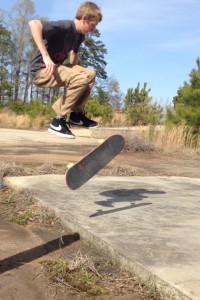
column 94, row 161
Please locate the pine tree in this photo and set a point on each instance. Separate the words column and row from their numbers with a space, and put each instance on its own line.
column 92, row 53
column 129, row 98
column 187, row 102
column 139, row 109
column 137, row 95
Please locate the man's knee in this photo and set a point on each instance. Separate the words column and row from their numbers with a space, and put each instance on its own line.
column 82, row 80
column 91, row 74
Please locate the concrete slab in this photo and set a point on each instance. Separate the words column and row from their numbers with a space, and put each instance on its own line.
column 150, row 225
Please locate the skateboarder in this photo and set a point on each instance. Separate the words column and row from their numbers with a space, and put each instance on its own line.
column 55, row 40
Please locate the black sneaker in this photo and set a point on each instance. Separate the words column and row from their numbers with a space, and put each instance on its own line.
column 60, row 128
column 79, row 119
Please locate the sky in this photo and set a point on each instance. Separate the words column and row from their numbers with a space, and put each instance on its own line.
column 153, row 41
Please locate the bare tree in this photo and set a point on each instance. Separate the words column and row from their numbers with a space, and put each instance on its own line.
column 114, row 93
column 22, row 12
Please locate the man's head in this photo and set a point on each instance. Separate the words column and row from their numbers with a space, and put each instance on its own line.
column 90, row 15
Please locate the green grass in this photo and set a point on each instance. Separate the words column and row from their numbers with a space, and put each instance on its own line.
column 79, row 275
column 21, row 219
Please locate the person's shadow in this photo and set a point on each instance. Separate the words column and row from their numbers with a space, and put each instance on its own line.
column 123, row 195
column 19, row 259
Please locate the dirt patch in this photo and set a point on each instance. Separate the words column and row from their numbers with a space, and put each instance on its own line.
column 126, row 164
column 47, row 261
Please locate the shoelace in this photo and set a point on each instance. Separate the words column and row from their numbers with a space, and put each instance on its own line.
column 65, row 123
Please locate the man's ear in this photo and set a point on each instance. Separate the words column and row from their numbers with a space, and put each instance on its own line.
column 83, row 18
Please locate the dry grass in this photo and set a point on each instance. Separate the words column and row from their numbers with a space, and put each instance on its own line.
column 119, row 119
column 22, row 208
column 173, row 139
column 9, row 168
column 86, row 277
column 161, row 138
column 80, row 278
column 146, row 138
column 10, row 120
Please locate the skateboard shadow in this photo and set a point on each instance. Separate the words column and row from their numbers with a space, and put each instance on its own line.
column 124, row 195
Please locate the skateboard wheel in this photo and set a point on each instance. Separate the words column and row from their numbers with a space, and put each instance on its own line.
column 101, row 141
column 70, row 165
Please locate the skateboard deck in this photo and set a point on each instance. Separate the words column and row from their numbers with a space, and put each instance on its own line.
column 94, row 161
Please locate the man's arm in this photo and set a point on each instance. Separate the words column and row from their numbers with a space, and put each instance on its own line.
column 36, row 31
column 73, row 57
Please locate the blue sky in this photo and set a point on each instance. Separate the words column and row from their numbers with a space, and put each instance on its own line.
column 155, row 41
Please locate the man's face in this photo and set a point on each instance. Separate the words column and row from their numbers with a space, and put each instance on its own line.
column 89, row 26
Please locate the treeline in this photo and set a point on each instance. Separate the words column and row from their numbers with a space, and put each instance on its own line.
column 18, row 92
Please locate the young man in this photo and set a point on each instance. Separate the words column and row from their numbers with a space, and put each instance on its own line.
column 55, row 40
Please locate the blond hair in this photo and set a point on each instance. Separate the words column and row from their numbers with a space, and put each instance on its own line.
column 90, row 11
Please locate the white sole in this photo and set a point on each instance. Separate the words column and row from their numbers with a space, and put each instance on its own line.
column 78, row 125
column 61, row 134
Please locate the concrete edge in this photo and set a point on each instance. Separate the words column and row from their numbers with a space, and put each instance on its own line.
column 155, row 284
column 127, row 132
column 105, row 132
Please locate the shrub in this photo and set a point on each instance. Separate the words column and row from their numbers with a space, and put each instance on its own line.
column 107, row 113
column 94, row 109
column 144, row 114
column 34, row 108
column 37, row 108
column 187, row 115
column 18, row 107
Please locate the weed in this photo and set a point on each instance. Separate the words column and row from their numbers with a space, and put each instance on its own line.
column 48, row 218
column 9, row 201
column 79, row 274
column 87, row 276
column 21, row 219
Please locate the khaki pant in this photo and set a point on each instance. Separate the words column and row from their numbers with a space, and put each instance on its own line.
column 78, row 82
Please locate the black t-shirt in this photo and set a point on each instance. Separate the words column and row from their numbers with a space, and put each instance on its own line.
column 60, row 37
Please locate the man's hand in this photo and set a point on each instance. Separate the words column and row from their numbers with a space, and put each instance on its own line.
column 73, row 58
column 49, row 65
